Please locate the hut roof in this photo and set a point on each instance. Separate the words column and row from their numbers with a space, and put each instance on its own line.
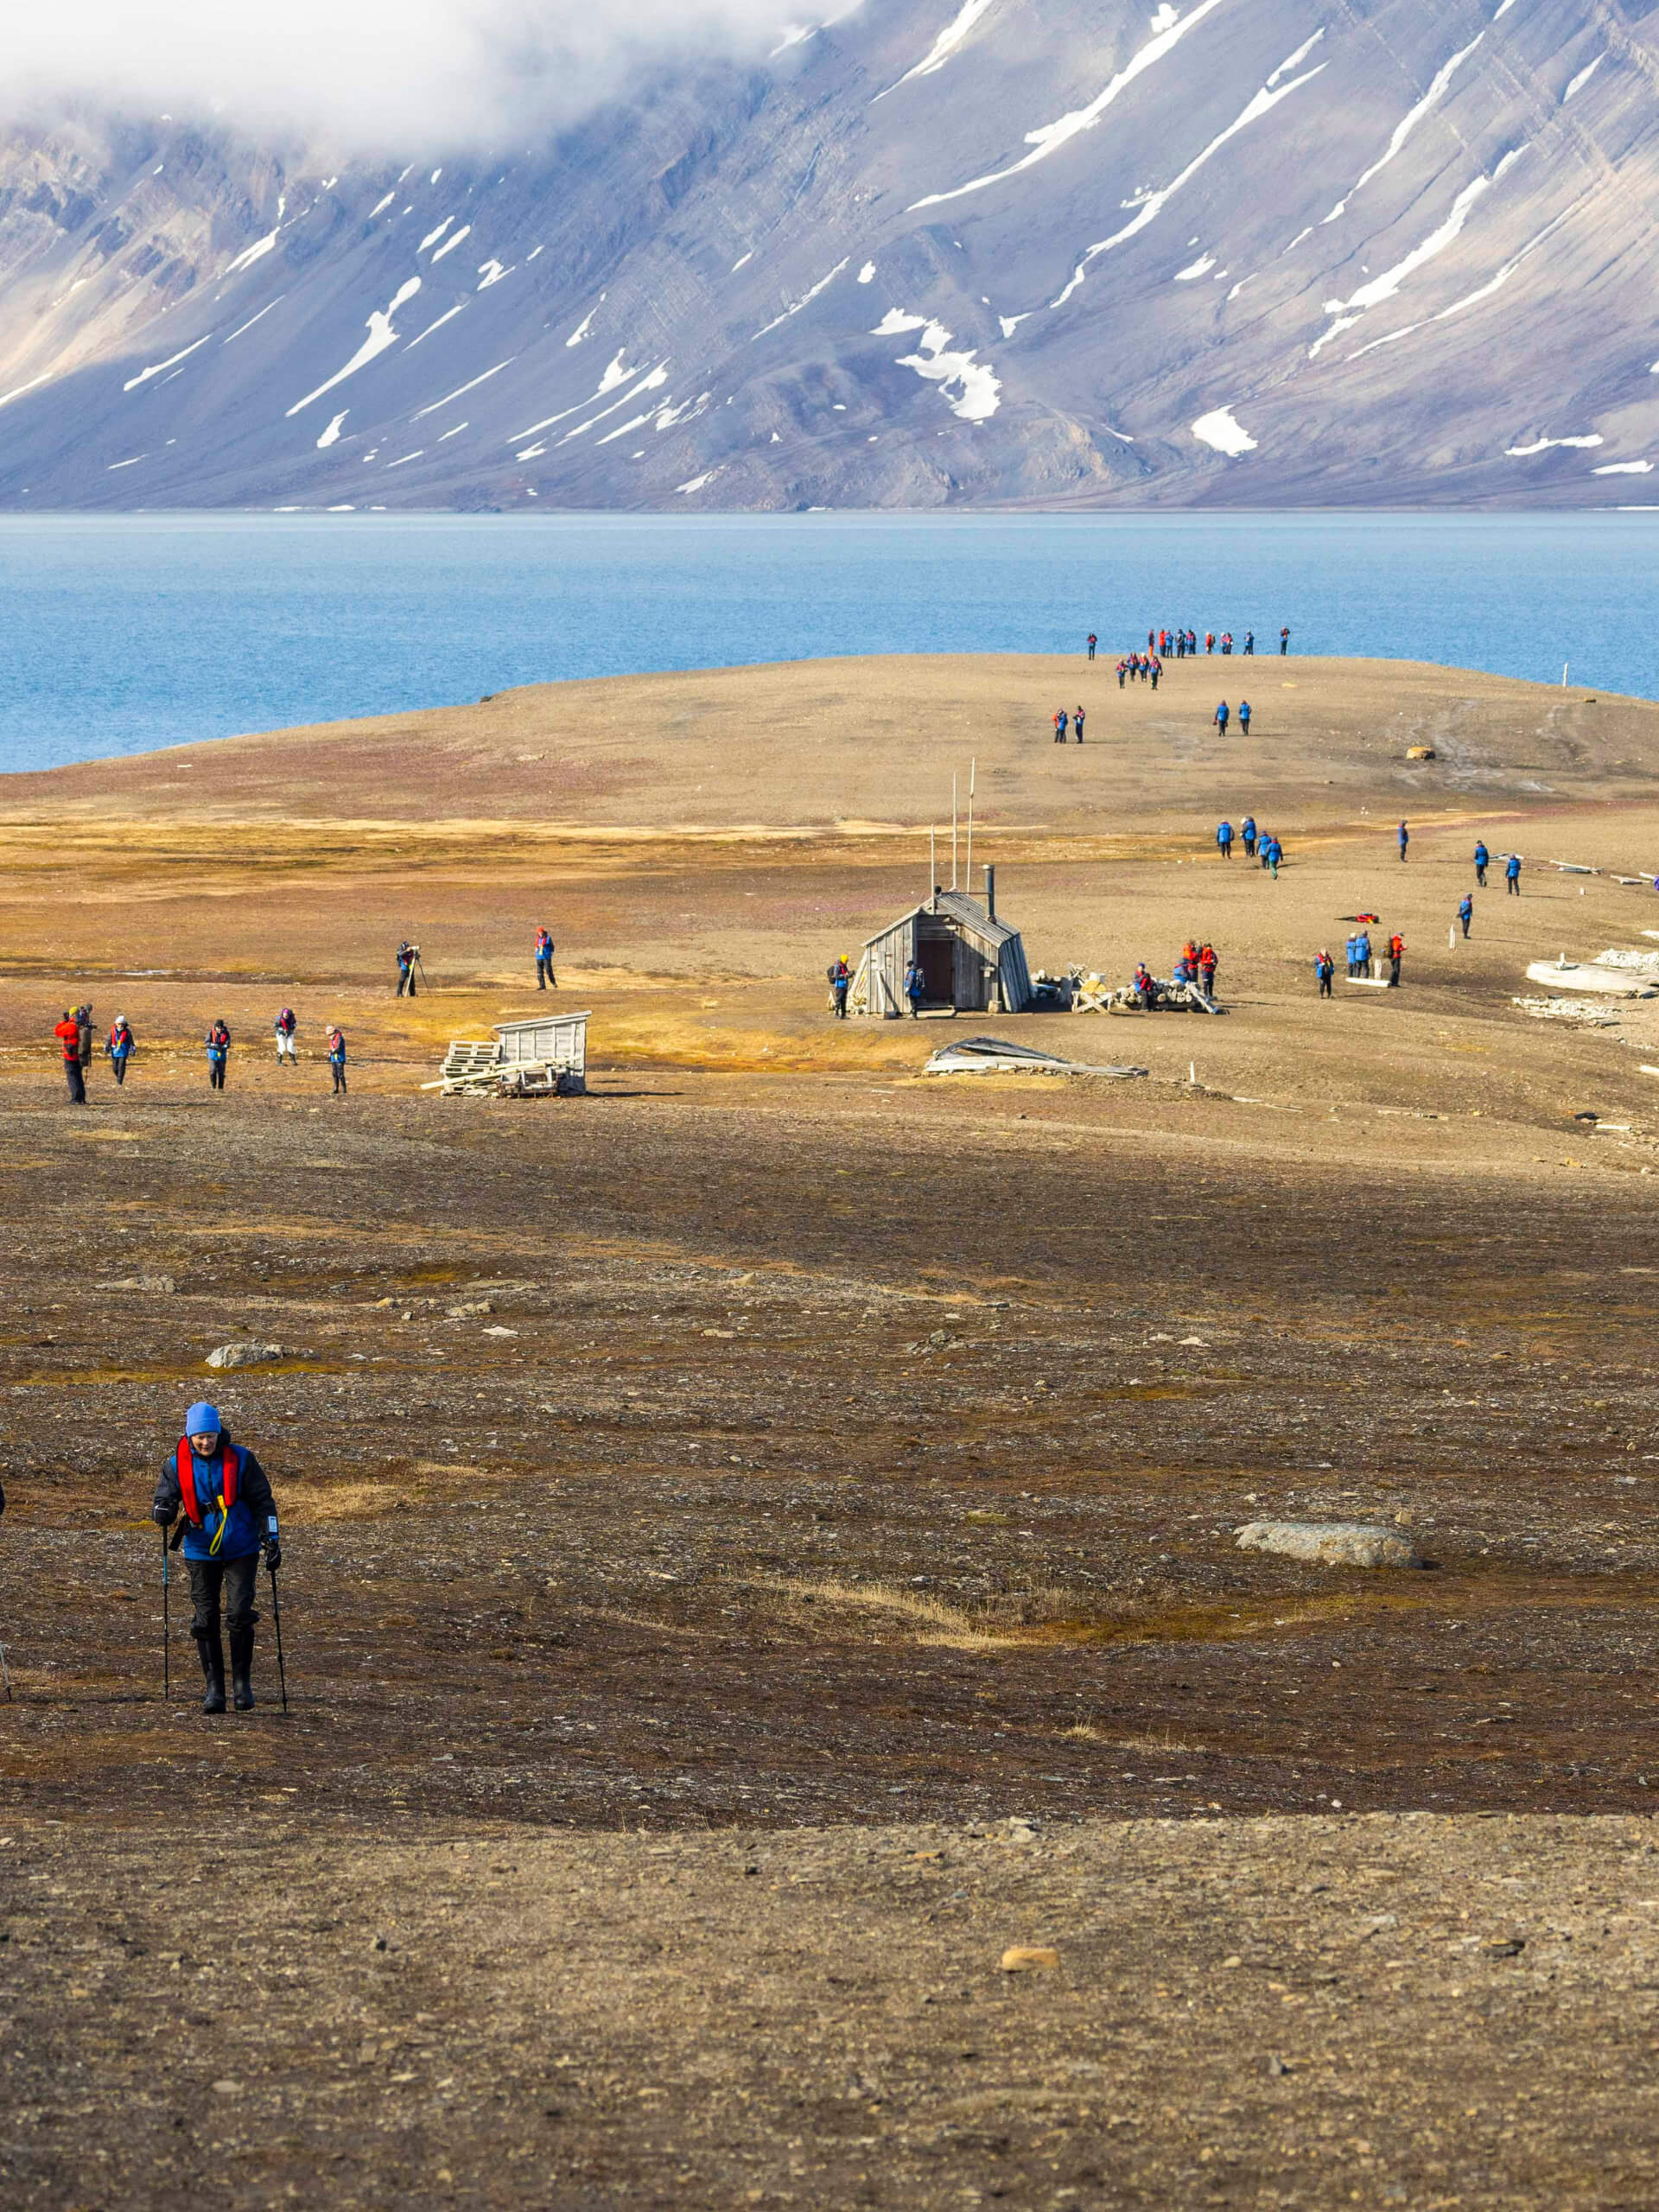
column 961, row 907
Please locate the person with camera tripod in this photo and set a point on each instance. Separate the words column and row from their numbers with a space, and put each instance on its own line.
column 408, row 954
column 230, row 1515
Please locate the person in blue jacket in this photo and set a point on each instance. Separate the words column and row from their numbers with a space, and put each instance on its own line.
column 229, row 1514
column 1403, row 838
column 1224, row 714
column 1244, row 717
column 1465, row 912
column 1348, row 952
column 1224, row 839
column 120, row 1047
column 1362, row 953
column 1325, row 968
column 1482, row 856
column 1247, row 831
column 217, row 1043
column 1512, row 875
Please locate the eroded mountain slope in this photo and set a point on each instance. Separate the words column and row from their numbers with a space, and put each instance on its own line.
column 1281, row 251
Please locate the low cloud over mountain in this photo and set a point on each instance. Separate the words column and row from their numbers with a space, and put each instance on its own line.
column 1256, row 251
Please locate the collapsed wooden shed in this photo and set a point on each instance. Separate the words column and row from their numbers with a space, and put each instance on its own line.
column 971, row 962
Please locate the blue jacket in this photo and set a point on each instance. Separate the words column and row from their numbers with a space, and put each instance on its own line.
column 1514, row 868
column 1249, row 825
column 1363, row 947
column 1481, row 854
column 1225, row 834
column 1465, row 905
column 251, row 1519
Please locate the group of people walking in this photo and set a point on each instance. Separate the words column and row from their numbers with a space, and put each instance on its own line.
column 1260, row 845
column 1182, row 645
column 1062, row 722
column 1224, row 714
column 74, row 1035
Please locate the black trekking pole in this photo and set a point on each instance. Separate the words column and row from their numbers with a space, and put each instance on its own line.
column 277, row 1616
column 166, row 1649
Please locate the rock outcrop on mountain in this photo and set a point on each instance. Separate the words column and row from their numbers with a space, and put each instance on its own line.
column 1258, row 252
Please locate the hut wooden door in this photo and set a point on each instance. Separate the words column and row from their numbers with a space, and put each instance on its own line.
column 937, row 956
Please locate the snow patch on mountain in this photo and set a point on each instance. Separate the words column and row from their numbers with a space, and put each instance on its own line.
column 144, row 375
column 945, row 44
column 1049, row 137
column 1543, row 445
column 977, row 388
column 805, row 300
column 1261, row 103
column 381, row 335
column 1408, row 122
column 1221, row 429
column 460, row 389
column 261, row 247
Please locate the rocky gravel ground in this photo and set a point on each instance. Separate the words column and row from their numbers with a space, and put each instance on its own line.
column 1305, row 2011
column 761, row 1539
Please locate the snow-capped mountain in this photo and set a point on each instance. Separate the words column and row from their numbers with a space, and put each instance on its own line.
column 1257, row 252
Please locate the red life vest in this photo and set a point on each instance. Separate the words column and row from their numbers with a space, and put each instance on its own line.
column 233, row 1456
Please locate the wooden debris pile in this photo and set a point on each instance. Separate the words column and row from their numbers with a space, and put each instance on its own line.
column 471, row 1068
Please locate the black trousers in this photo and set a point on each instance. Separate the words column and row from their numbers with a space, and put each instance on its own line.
column 76, row 1081
column 216, row 1074
column 234, row 1578
column 1480, row 877
column 1325, row 987
column 119, row 1063
column 1514, row 885
column 1091, row 652
column 544, row 974
column 339, row 1074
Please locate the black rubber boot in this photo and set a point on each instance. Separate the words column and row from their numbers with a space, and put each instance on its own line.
column 242, row 1668
column 213, row 1667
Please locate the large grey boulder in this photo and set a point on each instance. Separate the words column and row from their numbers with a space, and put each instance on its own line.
column 245, row 1355
column 1330, row 1543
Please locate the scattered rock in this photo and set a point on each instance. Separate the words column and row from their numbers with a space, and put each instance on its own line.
column 1330, row 1543
column 1277, row 2068
column 248, row 1354
column 1421, row 753
column 138, row 1282
column 1511, row 1947
column 1029, row 1958
column 467, row 1313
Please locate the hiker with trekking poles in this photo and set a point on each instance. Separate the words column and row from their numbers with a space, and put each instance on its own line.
column 219, row 1497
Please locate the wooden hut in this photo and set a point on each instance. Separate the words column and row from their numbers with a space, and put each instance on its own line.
column 971, row 962
column 546, row 1054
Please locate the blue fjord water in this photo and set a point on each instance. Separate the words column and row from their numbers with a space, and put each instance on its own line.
column 121, row 633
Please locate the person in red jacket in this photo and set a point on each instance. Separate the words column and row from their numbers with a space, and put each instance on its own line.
column 67, row 1033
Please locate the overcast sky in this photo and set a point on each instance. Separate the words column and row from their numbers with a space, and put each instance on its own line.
column 370, row 75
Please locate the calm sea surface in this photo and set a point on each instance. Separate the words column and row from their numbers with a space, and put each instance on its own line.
column 122, row 634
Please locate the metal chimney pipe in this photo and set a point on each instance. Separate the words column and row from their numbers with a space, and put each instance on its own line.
column 990, row 891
